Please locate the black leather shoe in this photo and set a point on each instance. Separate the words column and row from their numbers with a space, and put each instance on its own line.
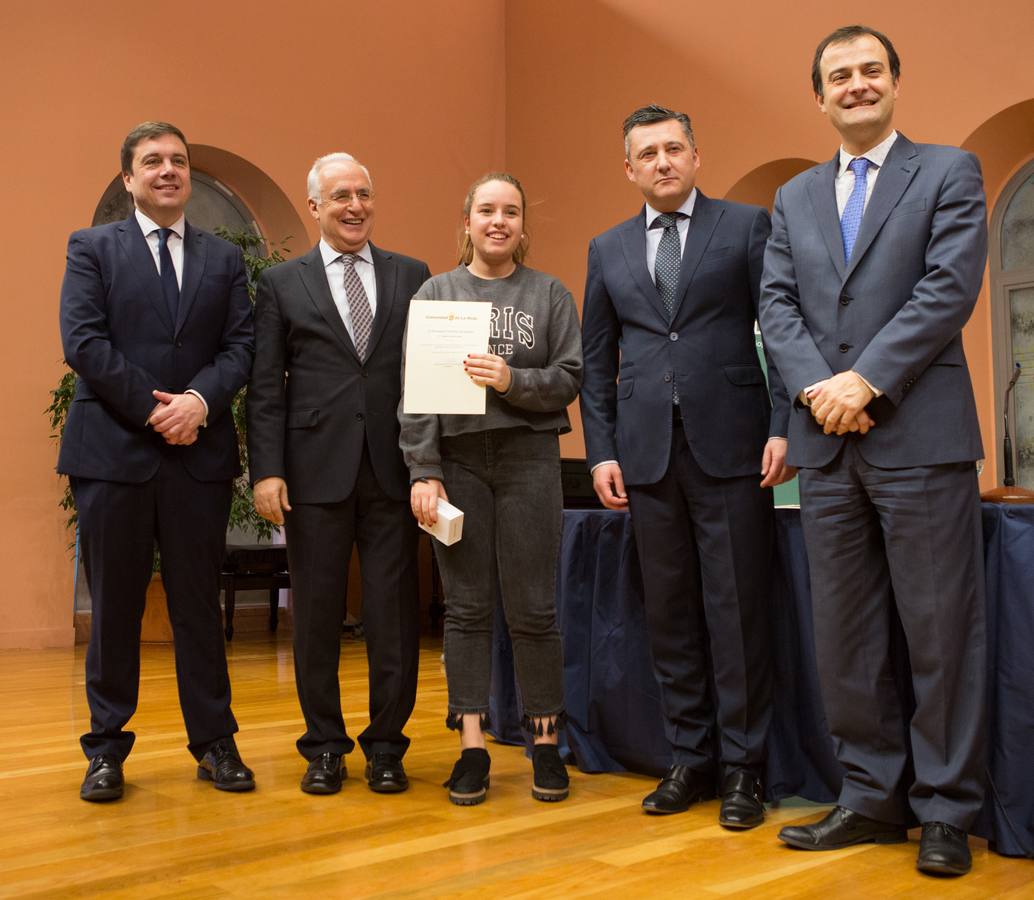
column 103, row 779
column 678, row 790
column 325, row 774
column 223, row 767
column 743, row 806
column 385, row 775
column 943, row 850
column 842, row 828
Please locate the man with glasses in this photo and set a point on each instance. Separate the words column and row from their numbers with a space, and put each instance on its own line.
column 325, row 461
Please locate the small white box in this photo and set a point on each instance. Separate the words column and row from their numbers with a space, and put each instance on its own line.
column 449, row 527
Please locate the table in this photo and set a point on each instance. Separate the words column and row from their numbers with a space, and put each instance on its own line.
column 249, row 567
column 612, row 700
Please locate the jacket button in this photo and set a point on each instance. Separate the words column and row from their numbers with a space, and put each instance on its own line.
column 674, row 336
column 843, row 348
column 667, row 378
column 179, row 343
column 844, row 299
column 364, row 373
column 359, row 417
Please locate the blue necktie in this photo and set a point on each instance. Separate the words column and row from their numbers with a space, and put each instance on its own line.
column 170, row 287
column 851, row 220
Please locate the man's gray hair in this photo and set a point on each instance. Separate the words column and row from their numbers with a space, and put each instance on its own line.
column 313, row 181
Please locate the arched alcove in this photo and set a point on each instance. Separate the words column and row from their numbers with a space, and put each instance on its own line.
column 760, row 185
column 1004, row 144
column 227, row 190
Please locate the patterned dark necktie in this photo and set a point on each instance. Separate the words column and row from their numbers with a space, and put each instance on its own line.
column 358, row 305
column 669, row 259
column 666, row 267
column 851, row 220
column 170, row 287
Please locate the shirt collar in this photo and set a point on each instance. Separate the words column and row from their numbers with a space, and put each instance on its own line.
column 330, row 255
column 148, row 227
column 686, row 209
column 877, row 155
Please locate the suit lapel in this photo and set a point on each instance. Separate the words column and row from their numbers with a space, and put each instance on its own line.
column 822, row 191
column 633, row 244
column 701, row 226
column 314, row 277
column 141, row 262
column 899, row 168
column 384, row 273
column 195, row 252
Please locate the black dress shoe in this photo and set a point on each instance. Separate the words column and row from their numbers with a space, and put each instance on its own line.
column 103, row 779
column 324, row 775
column 385, row 775
column 743, row 806
column 842, row 828
column 223, row 767
column 943, row 850
column 678, row 790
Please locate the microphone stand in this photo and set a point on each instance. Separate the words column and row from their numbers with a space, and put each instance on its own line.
column 1009, row 492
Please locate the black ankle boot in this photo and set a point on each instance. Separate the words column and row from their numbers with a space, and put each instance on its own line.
column 468, row 783
column 550, row 782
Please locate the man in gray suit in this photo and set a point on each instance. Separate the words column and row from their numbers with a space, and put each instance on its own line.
column 872, row 269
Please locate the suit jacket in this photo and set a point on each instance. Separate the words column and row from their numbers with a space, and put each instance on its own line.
column 118, row 337
column 708, row 348
column 893, row 313
column 312, row 403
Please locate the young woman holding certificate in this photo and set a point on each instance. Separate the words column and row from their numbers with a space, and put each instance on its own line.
column 502, row 469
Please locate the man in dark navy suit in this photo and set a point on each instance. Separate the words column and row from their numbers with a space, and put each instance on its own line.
column 156, row 322
column 676, row 410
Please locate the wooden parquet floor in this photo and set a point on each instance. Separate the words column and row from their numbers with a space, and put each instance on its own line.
column 174, row 836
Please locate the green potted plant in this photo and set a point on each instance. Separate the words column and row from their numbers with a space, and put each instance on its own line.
column 258, row 256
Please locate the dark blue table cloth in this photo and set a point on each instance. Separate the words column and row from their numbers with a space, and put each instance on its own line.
column 613, row 704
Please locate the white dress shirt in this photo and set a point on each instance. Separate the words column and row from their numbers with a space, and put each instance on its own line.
column 175, row 245
column 335, row 269
column 150, row 230
column 653, row 241
column 844, row 185
column 653, row 235
column 877, row 156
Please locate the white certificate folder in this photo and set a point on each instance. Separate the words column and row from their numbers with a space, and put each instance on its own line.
column 449, row 527
column 439, row 336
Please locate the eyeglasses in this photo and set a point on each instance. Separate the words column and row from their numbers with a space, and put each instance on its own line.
column 346, row 197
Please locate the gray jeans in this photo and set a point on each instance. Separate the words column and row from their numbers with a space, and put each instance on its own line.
column 507, row 482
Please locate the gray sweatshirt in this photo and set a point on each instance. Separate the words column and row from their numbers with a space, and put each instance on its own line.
column 535, row 329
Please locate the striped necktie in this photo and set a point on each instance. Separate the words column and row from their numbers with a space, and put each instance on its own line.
column 358, row 305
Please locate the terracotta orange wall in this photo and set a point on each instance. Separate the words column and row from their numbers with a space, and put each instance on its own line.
column 576, row 69
column 270, row 88
column 429, row 95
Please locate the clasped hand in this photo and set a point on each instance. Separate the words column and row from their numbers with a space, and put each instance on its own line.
column 838, row 404
column 177, row 417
